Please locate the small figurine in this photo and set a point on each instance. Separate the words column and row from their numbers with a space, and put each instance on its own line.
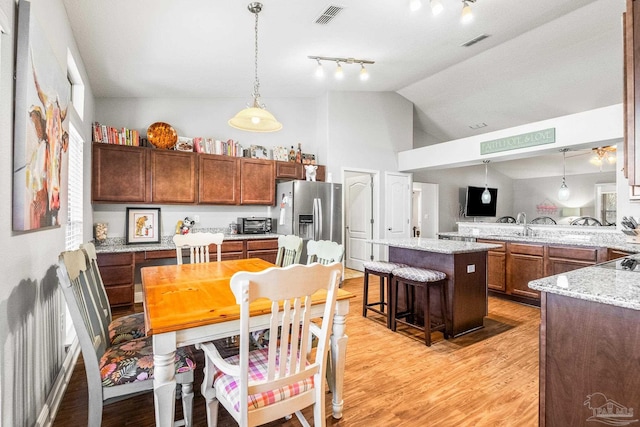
column 184, row 226
column 310, row 172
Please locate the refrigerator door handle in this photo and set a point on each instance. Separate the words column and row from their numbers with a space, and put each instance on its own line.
column 315, row 219
column 320, row 235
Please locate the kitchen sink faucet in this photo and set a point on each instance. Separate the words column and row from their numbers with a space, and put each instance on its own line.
column 522, row 219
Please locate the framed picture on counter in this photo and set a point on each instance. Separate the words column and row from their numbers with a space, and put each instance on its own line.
column 143, row 225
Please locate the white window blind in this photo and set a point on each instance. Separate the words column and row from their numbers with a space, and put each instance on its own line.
column 75, row 192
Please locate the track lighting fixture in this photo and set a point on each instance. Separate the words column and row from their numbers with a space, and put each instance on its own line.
column 467, row 14
column 339, row 73
column 437, row 8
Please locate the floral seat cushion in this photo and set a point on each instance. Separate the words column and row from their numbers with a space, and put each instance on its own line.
column 132, row 361
column 127, row 328
column 258, row 364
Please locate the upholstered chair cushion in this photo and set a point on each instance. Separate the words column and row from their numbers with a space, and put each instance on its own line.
column 132, row 361
column 419, row 274
column 258, row 362
column 382, row 266
column 127, row 328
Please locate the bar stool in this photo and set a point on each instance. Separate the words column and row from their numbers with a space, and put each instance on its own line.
column 424, row 279
column 383, row 270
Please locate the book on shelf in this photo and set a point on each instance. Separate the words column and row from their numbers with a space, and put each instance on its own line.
column 111, row 135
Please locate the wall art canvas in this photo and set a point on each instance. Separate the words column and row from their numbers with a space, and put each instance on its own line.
column 41, row 130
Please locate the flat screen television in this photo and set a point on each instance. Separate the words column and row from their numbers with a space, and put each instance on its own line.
column 474, row 205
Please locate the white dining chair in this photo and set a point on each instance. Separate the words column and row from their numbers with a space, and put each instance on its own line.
column 259, row 386
column 198, row 245
column 114, row 371
column 124, row 328
column 289, row 250
column 324, row 252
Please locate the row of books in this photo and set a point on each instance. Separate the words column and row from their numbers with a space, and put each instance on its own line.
column 215, row 146
column 112, row 135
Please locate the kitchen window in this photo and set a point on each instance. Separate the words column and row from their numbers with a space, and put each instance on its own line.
column 74, row 190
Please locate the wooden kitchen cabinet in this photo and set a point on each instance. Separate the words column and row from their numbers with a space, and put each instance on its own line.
column 173, row 177
column 496, row 266
column 219, row 180
column 289, row 170
column 266, row 249
column 117, row 271
column 526, row 263
column 120, row 174
column 257, row 182
column 231, row 249
column 616, row 253
column 563, row 259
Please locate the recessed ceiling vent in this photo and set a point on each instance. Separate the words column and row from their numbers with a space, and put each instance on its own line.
column 327, row 16
column 474, row 40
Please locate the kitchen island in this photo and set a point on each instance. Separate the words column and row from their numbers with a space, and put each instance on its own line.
column 464, row 263
column 590, row 345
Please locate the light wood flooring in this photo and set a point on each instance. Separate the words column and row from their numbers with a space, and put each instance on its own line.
column 485, row 378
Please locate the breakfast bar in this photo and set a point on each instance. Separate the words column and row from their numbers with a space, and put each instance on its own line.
column 464, row 263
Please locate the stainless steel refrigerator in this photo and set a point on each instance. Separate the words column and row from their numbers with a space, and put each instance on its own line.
column 311, row 210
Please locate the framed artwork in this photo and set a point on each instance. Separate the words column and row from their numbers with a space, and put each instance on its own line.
column 281, row 154
column 143, row 225
column 41, row 132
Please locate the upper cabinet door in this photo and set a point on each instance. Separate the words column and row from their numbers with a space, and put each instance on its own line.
column 173, row 177
column 288, row 170
column 219, row 180
column 120, row 174
column 257, row 182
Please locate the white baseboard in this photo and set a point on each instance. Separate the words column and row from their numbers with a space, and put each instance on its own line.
column 54, row 400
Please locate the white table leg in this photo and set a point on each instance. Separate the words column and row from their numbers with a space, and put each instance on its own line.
column 164, row 378
column 338, row 356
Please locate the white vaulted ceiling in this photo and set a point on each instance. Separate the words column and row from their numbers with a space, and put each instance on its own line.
column 542, row 59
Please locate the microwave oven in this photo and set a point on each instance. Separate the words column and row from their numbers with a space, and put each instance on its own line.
column 254, row 225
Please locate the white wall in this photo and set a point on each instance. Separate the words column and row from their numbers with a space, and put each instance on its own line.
column 453, row 180
column 29, row 259
column 527, row 193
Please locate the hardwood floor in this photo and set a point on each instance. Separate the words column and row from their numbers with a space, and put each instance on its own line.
column 485, row 378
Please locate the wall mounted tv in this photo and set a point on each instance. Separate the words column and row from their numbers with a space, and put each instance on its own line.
column 474, row 205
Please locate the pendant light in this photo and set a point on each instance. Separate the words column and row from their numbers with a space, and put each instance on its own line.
column 486, row 194
column 255, row 118
column 563, row 192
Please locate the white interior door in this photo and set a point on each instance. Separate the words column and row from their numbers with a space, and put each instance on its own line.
column 428, row 210
column 398, row 194
column 359, row 220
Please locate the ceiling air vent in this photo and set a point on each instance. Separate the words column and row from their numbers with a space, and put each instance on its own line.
column 329, row 13
column 474, row 40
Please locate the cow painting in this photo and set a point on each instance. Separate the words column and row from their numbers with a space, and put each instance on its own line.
column 41, row 138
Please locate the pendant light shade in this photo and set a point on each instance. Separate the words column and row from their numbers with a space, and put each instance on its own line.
column 255, row 118
column 486, row 194
column 563, row 192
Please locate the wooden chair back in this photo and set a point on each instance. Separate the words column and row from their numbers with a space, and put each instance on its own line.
column 96, row 286
column 290, row 358
column 324, row 252
column 289, row 250
column 198, row 245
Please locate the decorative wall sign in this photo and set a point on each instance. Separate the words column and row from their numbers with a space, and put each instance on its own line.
column 143, row 225
column 41, row 130
column 531, row 139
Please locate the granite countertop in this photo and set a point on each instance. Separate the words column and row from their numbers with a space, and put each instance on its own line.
column 594, row 240
column 435, row 245
column 117, row 244
column 597, row 284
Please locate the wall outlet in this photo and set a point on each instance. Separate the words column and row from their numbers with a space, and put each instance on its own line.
column 196, row 218
column 471, row 268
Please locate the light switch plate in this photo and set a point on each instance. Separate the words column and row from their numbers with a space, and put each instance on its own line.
column 471, row 268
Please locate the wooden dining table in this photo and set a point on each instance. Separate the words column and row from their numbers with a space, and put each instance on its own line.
column 192, row 303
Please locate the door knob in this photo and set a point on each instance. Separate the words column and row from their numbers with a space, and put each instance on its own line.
column 389, row 228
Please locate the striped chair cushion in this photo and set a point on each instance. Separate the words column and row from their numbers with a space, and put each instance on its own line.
column 132, row 361
column 419, row 274
column 382, row 266
column 258, row 364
